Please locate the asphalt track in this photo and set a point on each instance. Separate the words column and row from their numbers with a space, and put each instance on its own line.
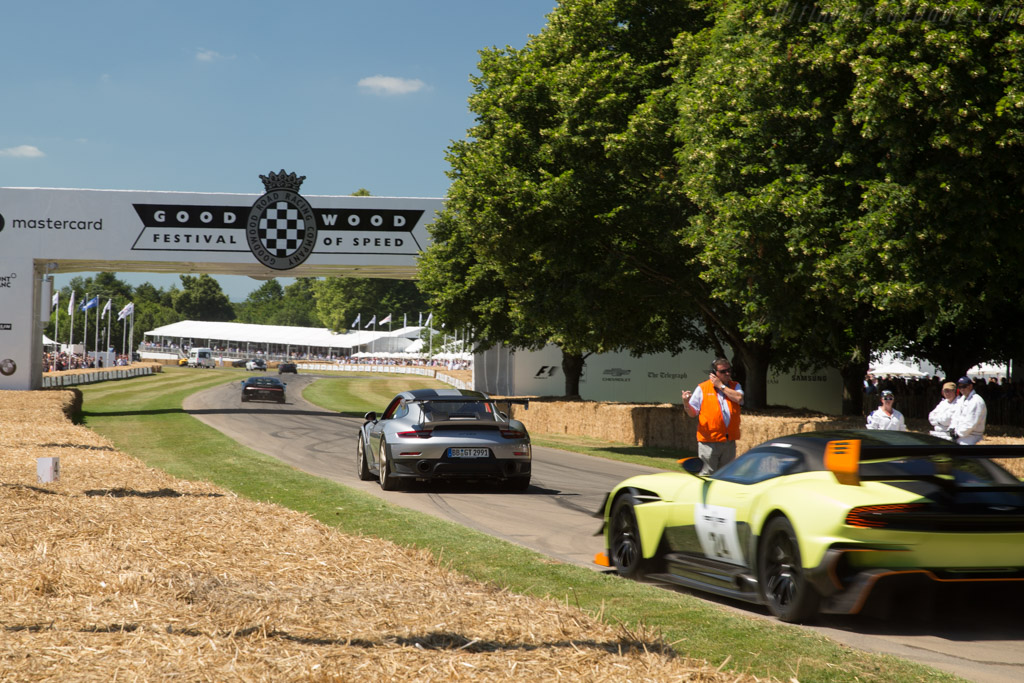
column 979, row 641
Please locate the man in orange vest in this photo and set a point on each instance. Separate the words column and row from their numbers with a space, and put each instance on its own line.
column 716, row 405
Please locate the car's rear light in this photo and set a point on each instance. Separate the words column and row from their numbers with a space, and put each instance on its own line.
column 415, row 434
column 513, row 434
column 878, row 516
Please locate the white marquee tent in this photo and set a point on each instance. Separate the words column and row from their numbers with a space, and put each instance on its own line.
column 242, row 335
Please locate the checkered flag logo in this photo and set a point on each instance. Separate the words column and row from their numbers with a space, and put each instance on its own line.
column 282, row 229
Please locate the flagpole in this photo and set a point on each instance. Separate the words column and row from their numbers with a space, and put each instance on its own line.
column 96, row 334
column 56, row 324
column 85, row 334
column 71, row 332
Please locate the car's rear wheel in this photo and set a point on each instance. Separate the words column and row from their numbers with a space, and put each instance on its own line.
column 784, row 586
column 362, row 467
column 627, row 553
column 388, row 481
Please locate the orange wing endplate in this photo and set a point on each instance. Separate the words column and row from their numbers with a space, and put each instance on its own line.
column 842, row 458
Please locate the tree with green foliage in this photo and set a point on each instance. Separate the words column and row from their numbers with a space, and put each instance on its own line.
column 340, row 300
column 533, row 246
column 261, row 303
column 853, row 181
column 272, row 304
column 154, row 307
column 938, row 98
column 201, row 298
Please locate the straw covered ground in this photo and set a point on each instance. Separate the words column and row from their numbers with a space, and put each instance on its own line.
column 121, row 572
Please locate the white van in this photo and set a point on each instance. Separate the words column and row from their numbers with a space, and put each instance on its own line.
column 200, row 357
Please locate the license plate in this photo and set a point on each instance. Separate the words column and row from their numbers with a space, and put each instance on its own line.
column 468, row 453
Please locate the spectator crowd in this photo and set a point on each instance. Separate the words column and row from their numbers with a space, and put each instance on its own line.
column 917, row 397
column 57, row 361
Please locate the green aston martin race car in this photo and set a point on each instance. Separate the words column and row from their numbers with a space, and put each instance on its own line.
column 813, row 522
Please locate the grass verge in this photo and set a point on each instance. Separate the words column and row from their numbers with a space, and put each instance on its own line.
column 143, row 417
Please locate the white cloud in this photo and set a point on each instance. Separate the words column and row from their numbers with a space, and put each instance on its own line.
column 208, row 55
column 23, row 151
column 389, row 85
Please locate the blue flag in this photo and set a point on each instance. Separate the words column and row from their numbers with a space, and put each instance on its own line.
column 91, row 303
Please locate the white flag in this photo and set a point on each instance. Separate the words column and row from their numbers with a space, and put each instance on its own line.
column 71, row 304
column 373, row 321
column 430, row 317
column 55, row 300
column 106, row 309
column 355, row 323
column 126, row 311
column 386, row 320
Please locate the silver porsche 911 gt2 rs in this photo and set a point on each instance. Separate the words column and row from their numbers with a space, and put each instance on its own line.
column 433, row 434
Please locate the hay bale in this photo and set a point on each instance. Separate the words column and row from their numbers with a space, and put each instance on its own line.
column 668, row 425
column 121, row 571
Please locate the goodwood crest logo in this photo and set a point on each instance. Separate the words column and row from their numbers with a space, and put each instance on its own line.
column 281, row 229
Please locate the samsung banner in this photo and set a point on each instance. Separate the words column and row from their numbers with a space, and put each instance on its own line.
column 279, row 232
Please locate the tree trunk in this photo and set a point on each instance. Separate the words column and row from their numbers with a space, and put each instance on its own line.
column 853, row 372
column 572, row 368
column 853, row 387
column 755, row 358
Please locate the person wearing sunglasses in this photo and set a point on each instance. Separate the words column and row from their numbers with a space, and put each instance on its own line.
column 968, row 426
column 886, row 417
column 716, row 405
column 941, row 417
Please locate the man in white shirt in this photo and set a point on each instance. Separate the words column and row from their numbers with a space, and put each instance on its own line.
column 941, row 416
column 886, row 417
column 969, row 419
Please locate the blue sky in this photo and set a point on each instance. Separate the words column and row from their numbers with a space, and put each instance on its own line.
column 205, row 96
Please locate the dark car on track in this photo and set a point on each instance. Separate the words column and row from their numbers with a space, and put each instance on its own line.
column 287, row 367
column 434, row 434
column 814, row 522
column 263, row 388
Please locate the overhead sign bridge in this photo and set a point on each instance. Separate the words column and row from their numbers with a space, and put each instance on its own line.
column 277, row 233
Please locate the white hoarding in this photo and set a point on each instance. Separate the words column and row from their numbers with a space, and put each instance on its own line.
column 661, row 378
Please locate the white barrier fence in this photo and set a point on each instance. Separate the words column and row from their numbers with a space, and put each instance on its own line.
column 50, row 381
column 387, row 369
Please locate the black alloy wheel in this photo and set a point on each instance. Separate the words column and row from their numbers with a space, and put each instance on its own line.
column 784, row 587
column 627, row 555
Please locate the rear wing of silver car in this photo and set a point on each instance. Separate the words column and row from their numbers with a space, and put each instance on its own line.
column 436, row 411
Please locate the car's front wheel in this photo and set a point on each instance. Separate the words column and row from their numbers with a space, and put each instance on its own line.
column 784, row 586
column 627, row 553
column 362, row 467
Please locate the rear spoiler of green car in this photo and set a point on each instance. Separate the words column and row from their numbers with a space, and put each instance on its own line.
column 843, row 457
